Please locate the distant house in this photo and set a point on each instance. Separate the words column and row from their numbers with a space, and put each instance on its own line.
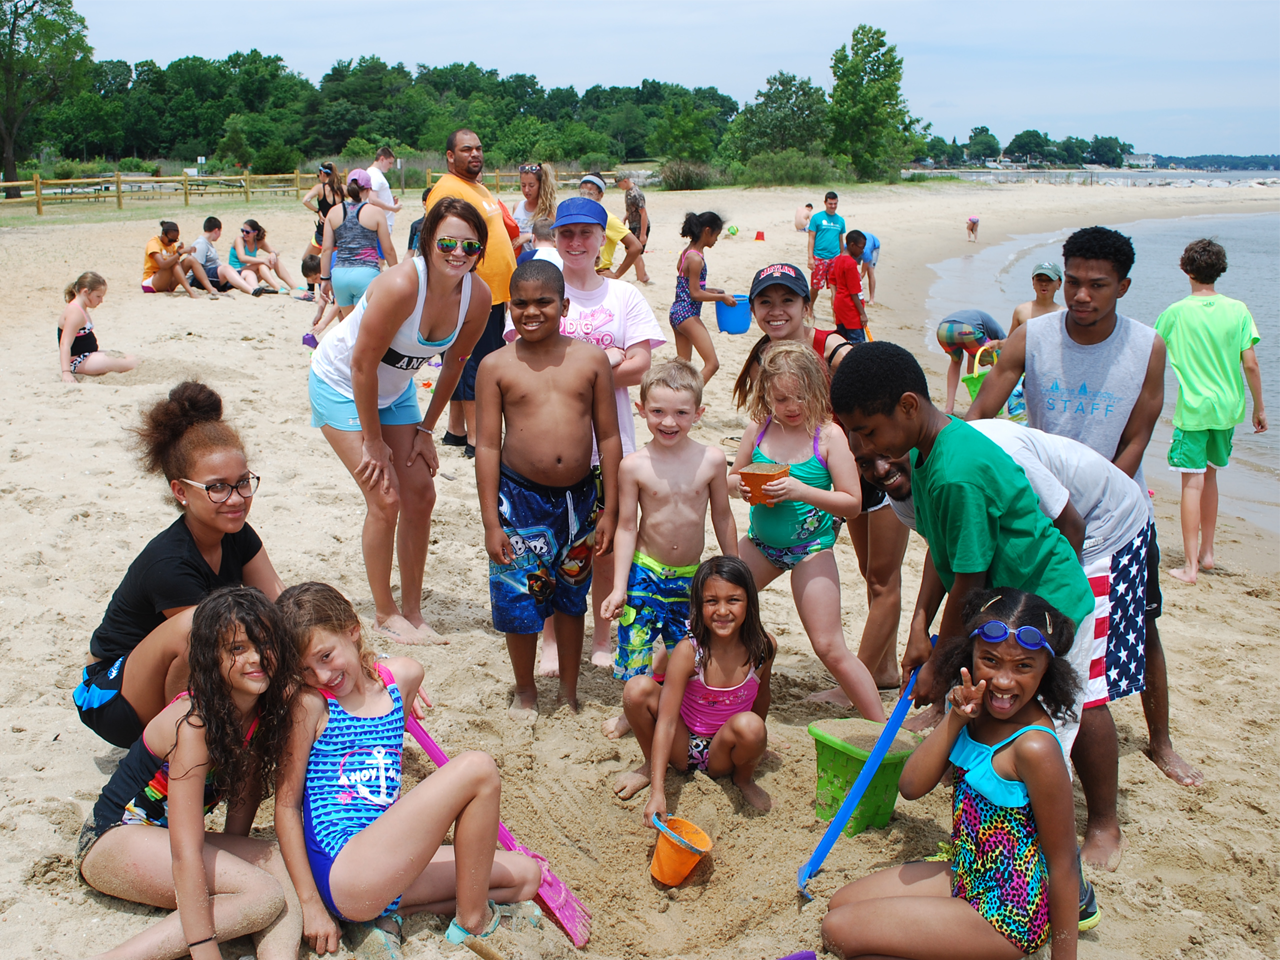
column 1143, row 161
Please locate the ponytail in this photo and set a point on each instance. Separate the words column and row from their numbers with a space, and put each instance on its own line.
column 86, row 281
column 696, row 223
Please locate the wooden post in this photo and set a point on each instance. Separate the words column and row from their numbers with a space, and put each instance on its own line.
column 297, row 183
column 119, row 198
column 428, row 178
column 246, row 188
column 35, row 180
column 186, row 190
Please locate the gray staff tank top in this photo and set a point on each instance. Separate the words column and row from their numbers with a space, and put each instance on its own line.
column 1086, row 391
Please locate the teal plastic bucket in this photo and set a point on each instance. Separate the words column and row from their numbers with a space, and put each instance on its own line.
column 735, row 319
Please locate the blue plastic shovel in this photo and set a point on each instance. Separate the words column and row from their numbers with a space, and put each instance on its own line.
column 859, row 787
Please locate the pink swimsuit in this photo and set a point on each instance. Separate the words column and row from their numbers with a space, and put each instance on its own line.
column 705, row 709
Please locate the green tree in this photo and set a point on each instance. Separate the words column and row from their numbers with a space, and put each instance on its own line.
column 789, row 113
column 982, row 144
column 943, row 153
column 235, row 145
column 43, row 55
column 275, row 157
column 682, row 132
column 870, row 122
column 1072, row 150
column 1031, row 144
column 1108, row 151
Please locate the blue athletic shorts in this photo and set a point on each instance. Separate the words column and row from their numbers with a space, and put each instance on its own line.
column 101, row 705
column 657, row 605
column 350, row 283
column 329, row 407
column 553, row 537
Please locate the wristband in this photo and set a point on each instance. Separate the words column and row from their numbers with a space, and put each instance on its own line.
column 199, row 942
column 324, row 279
column 429, row 433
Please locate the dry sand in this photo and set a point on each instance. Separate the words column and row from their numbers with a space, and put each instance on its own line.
column 1199, row 878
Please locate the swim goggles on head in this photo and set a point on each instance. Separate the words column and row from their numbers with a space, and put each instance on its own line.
column 470, row 248
column 996, row 631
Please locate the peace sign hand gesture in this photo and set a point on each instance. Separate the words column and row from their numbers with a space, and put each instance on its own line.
column 966, row 699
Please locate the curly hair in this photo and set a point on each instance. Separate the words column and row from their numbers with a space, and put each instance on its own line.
column 792, row 360
column 1099, row 243
column 217, row 621
column 174, row 431
column 306, row 607
column 1204, row 261
column 872, row 379
column 1016, row 608
column 753, row 635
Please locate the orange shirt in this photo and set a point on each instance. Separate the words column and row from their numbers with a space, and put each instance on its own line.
column 499, row 257
column 155, row 245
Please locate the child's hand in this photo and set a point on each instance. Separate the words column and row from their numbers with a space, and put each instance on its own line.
column 742, row 490
column 421, row 704
column 68, row 377
column 605, row 526
column 657, row 805
column 615, row 355
column 613, row 605
column 729, row 299
column 784, row 488
column 966, row 699
column 498, row 545
column 319, row 930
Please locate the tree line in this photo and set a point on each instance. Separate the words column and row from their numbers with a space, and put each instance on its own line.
column 250, row 109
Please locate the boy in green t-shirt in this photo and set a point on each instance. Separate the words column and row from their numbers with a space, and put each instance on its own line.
column 974, row 506
column 1209, row 338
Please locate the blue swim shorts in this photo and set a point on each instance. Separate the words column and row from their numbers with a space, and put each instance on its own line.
column 350, row 283
column 553, row 537
column 329, row 407
column 657, row 606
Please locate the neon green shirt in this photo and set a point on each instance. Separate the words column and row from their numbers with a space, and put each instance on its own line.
column 1205, row 337
column 977, row 510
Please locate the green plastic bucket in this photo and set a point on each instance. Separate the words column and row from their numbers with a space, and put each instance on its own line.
column 840, row 762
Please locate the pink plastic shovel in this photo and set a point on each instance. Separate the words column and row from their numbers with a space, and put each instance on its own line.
column 554, row 896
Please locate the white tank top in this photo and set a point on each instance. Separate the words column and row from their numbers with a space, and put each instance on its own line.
column 408, row 351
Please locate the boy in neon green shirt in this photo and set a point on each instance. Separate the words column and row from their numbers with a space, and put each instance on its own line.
column 1209, row 338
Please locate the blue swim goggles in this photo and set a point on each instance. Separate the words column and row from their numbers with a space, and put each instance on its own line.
column 996, row 631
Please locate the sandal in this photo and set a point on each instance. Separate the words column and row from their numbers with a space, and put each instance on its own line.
column 259, row 291
column 457, row 933
column 380, row 939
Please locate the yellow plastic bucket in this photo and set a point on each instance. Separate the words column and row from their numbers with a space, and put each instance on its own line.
column 681, row 845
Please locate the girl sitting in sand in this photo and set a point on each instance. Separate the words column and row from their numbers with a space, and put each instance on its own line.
column 146, row 840
column 165, row 262
column 702, row 230
column 138, row 655
column 793, row 519
column 1011, row 876
column 77, row 343
column 253, row 257
column 709, row 712
column 357, row 850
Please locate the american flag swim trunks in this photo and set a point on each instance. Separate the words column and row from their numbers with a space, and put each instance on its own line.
column 1119, row 663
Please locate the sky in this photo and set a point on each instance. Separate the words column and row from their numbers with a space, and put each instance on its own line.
column 1171, row 77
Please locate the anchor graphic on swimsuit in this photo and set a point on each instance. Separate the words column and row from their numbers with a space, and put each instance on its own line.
column 376, row 768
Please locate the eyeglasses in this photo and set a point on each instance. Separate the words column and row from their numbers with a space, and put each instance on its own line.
column 221, row 492
column 246, row 231
column 996, row 631
column 470, row 248
column 530, row 167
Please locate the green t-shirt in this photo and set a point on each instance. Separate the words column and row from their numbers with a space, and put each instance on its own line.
column 1205, row 337
column 977, row 510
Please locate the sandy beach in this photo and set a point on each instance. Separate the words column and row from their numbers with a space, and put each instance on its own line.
column 1199, row 877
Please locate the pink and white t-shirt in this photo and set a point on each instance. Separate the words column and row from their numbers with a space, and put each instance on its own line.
column 615, row 314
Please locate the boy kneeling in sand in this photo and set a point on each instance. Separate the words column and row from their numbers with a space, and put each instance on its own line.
column 672, row 479
column 539, row 495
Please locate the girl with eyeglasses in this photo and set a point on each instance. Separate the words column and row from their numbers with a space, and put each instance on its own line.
column 365, row 401
column 538, row 187
column 138, row 655
column 1008, row 881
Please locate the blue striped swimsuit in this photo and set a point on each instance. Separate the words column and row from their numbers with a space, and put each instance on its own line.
column 353, row 777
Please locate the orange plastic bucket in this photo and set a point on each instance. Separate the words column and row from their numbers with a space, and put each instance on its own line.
column 681, row 845
column 756, row 475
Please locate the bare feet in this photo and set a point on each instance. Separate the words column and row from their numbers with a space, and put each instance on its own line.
column 834, row 696
column 1175, row 768
column 1206, row 559
column 926, row 719
column 1185, row 574
column 755, row 795
column 888, row 681
column 428, row 634
column 602, row 656
column 549, row 666
column 524, row 708
column 397, row 628
column 567, row 698
column 1103, row 847
column 631, row 782
column 615, row 727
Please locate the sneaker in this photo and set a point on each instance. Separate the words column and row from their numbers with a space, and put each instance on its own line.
column 309, row 340
column 1090, row 914
column 453, row 439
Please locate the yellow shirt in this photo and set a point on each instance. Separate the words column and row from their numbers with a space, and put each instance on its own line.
column 613, row 232
column 155, row 245
column 499, row 256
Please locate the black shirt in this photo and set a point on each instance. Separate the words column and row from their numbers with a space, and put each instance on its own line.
column 415, row 228
column 169, row 572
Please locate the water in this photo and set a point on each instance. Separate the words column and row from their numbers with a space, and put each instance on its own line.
column 997, row 279
column 1117, row 178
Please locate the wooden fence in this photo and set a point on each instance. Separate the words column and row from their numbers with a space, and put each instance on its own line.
column 39, row 192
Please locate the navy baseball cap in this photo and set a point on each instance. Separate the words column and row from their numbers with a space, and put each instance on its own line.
column 581, row 210
column 790, row 276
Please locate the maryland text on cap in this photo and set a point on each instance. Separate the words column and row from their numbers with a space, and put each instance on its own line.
column 790, row 276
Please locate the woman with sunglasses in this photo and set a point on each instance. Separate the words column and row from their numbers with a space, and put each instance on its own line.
column 1009, row 880
column 365, row 401
column 538, row 185
column 138, row 656
column 356, row 238
column 327, row 194
column 255, row 261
